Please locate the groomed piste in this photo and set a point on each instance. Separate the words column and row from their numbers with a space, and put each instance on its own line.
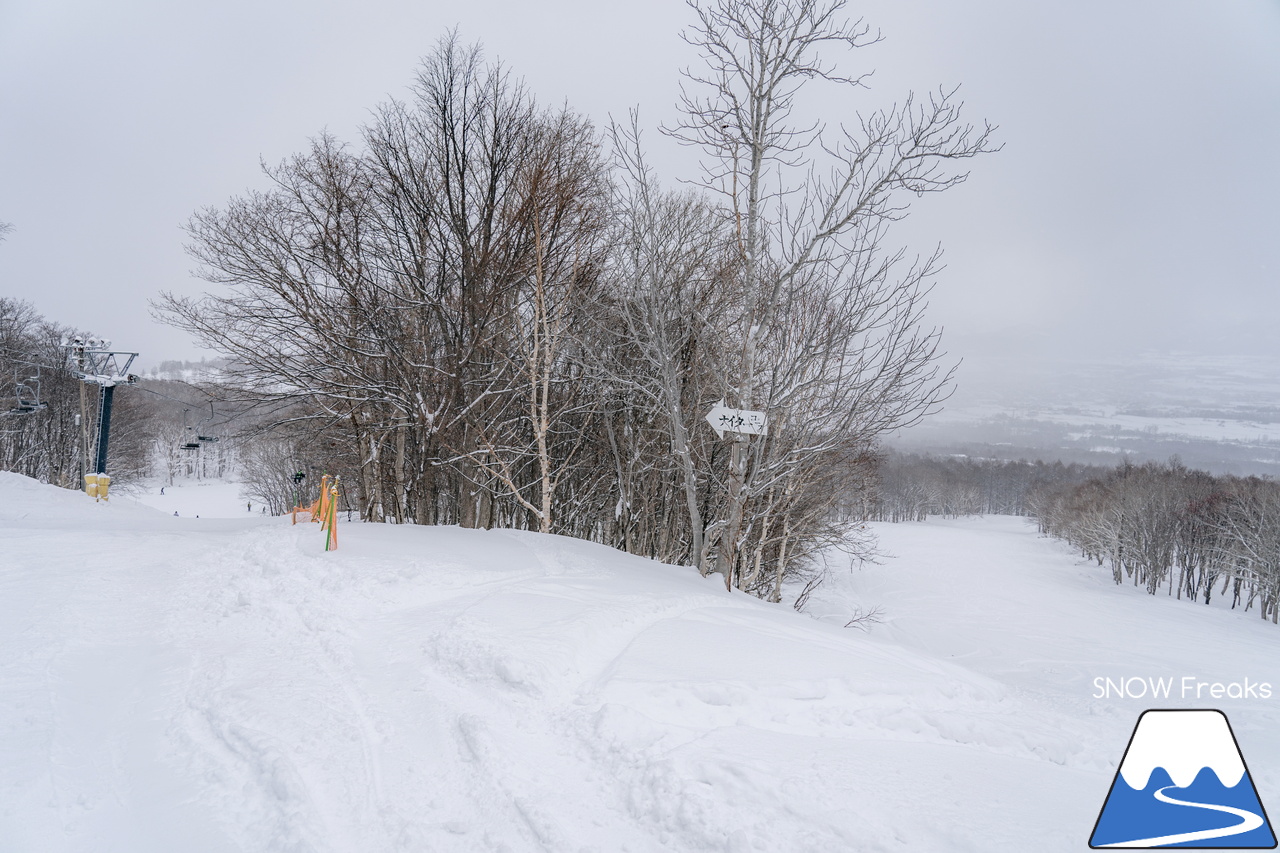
column 223, row 684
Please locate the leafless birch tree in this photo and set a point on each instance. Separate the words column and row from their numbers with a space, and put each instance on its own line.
column 670, row 266
column 810, row 212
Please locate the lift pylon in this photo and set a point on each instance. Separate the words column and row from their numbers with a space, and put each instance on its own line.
column 93, row 362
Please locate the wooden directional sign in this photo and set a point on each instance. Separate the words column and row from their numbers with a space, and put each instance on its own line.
column 741, row 421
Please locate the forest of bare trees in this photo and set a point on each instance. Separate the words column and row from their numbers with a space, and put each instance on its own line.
column 1163, row 527
column 488, row 312
column 1166, row 527
column 44, row 444
column 911, row 487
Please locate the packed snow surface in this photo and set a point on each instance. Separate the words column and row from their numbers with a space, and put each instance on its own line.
column 197, row 498
column 224, row 684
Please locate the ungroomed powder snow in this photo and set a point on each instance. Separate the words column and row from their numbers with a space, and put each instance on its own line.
column 223, row 684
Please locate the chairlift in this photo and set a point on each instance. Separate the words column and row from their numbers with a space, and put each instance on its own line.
column 206, row 439
column 195, row 439
column 190, row 442
column 27, row 396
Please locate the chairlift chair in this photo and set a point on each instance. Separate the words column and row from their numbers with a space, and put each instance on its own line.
column 27, row 395
column 190, row 442
column 206, row 439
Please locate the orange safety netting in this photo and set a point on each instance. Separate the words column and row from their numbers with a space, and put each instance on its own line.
column 323, row 510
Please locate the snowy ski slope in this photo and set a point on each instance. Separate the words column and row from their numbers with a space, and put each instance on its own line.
column 222, row 684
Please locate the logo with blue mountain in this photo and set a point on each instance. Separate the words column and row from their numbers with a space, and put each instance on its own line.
column 1183, row 783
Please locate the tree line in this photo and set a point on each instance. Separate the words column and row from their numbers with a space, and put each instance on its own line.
column 46, row 415
column 487, row 312
column 1166, row 527
column 911, row 487
column 1160, row 526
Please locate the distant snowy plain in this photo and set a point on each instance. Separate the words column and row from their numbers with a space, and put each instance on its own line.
column 1217, row 414
column 223, row 684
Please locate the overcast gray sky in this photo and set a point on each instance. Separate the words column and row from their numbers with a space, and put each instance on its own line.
column 1134, row 206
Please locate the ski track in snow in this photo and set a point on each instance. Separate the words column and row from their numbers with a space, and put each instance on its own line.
column 225, row 685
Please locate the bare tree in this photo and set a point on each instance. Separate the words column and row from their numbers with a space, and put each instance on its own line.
column 491, row 209
column 669, row 267
column 448, row 166
column 414, row 294
column 302, row 314
column 562, row 206
column 808, row 225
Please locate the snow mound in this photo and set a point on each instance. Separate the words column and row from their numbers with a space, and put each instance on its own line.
column 27, row 502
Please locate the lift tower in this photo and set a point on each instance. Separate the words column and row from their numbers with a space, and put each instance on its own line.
column 93, row 362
